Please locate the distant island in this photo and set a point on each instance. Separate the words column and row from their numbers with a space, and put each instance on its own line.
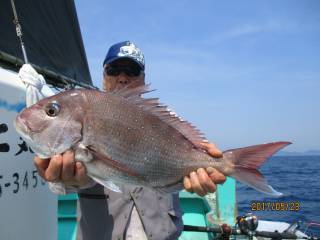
column 306, row 153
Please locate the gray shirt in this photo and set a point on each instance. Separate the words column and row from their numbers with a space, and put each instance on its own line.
column 105, row 215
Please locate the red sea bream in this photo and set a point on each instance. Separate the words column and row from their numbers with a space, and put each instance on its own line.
column 123, row 138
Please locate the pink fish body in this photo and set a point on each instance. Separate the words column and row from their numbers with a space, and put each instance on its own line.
column 123, row 138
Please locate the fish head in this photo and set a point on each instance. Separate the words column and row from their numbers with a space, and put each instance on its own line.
column 54, row 124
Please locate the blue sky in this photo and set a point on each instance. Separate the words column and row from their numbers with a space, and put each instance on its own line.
column 243, row 72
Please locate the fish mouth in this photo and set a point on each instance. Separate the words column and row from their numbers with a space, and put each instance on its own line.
column 21, row 126
column 26, row 133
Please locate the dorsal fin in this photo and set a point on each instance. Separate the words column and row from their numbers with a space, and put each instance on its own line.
column 128, row 91
column 153, row 106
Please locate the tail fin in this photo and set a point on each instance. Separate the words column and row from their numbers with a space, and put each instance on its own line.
column 247, row 160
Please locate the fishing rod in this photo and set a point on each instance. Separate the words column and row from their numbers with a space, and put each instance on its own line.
column 247, row 225
column 226, row 231
column 19, row 31
column 67, row 82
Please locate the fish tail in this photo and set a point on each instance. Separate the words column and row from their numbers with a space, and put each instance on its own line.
column 245, row 161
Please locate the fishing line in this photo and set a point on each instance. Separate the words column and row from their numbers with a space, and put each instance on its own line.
column 314, row 223
column 311, row 224
column 19, row 31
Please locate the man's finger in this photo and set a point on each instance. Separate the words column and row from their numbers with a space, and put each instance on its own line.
column 216, row 176
column 205, row 182
column 41, row 165
column 196, row 184
column 81, row 174
column 211, row 149
column 187, row 184
column 68, row 166
column 52, row 174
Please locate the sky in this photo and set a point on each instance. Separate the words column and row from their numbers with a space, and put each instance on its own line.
column 244, row 72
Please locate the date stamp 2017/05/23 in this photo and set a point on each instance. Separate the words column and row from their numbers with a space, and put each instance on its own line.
column 292, row 206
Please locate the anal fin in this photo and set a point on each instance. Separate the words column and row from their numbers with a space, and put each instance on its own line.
column 107, row 183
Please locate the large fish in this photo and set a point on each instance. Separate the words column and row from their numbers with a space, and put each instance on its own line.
column 123, row 138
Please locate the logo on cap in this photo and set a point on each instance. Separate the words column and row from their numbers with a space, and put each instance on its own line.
column 133, row 52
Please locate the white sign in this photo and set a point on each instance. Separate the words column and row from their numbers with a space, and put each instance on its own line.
column 28, row 209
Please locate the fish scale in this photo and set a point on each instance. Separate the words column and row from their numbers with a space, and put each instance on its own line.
column 147, row 136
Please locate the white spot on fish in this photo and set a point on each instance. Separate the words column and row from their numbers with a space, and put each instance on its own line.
column 74, row 94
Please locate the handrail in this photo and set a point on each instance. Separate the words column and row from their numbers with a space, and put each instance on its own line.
column 64, row 81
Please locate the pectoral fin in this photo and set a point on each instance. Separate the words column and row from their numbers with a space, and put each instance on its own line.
column 82, row 153
column 117, row 165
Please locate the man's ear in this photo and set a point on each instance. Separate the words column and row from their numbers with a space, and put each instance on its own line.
column 144, row 77
column 104, row 82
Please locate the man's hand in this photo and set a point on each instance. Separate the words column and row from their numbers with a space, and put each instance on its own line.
column 205, row 180
column 62, row 168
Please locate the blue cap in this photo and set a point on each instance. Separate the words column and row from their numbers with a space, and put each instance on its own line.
column 125, row 49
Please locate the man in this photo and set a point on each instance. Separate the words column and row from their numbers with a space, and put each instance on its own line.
column 138, row 212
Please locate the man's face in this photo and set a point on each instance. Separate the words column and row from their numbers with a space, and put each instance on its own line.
column 121, row 73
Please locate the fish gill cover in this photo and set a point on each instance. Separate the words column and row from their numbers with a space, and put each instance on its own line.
column 51, row 35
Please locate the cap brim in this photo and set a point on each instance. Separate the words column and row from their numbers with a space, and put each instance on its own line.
column 123, row 57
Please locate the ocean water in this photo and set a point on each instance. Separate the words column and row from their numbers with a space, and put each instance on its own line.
column 298, row 178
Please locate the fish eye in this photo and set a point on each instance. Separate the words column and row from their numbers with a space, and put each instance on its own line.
column 53, row 109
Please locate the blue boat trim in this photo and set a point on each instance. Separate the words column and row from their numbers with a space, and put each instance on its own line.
column 13, row 107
